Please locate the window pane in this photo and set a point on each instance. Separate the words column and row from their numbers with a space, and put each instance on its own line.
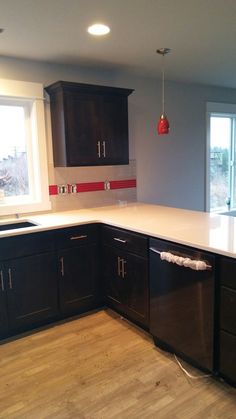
column 13, row 153
column 220, row 145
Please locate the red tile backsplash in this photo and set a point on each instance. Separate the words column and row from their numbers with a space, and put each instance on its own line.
column 97, row 186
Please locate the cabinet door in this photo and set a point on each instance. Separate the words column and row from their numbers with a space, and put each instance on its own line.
column 3, row 305
column 227, row 333
column 228, row 310
column 115, row 147
column 89, row 124
column 32, row 289
column 126, row 283
column 137, row 290
column 83, row 132
column 227, row 365
column 113, row 280
column 78, row 278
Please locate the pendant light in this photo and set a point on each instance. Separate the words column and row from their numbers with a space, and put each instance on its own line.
column 163, row 123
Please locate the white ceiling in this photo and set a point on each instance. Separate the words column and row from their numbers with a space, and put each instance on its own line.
column 200, row 33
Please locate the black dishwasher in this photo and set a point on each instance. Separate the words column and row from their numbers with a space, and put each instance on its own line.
column 182, row 301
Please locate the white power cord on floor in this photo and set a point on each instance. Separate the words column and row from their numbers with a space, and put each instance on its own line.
column 194, row 377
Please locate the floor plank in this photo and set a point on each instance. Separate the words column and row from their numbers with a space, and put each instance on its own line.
column 102, row 367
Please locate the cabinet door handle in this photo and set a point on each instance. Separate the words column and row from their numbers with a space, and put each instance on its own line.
column 104, row 148
column 99, row 149
column 119, row 240
column 10, row 278
column 62, row 266
column 83, row 236
column 2, row 283
column 123, row 268
column 119, row 265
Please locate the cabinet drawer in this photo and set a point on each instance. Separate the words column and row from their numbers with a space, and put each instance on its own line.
column 228, row 356
column 228, row 272
column 26, row 244
column 125, row 240
column 76, row 236
column 228, row 310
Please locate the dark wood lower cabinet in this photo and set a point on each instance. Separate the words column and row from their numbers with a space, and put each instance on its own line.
column 3, row 306
column 114, row 284
column 126, row 284
column 227, row 327
column 78, row 278
column 28, row 294
column 32, row 290
column 228, row 310
column 51, row 275
column 227, row 367
column 137, row 288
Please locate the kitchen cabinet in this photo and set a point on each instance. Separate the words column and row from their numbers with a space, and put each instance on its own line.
column 227, row 332
column 78, row 262
column 89, row 124
column 49, row 275
column 125, row 274
column 3, row 305
column 28, row 281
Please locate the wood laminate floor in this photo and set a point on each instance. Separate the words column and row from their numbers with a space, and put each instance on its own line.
column 101, row 366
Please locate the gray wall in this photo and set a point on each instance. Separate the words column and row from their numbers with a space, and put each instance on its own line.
column 170, row 169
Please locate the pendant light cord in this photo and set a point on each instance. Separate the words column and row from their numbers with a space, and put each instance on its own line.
column 163, row 85
column 163, row 52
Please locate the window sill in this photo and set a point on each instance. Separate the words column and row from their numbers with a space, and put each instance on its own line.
column 24, row 208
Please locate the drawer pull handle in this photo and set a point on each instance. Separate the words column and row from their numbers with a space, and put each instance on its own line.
column 10, row 279
column 119, row 240
column 83, row 236
column 2, row 283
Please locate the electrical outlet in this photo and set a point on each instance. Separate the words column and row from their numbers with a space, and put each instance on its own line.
column 62, row 189
column 73, row 188
column 107, row 185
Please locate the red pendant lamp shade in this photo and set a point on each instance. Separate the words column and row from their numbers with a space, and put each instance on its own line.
column 163, row 125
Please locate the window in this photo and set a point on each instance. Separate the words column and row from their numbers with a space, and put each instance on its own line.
column 221, row 149
column 23, row 162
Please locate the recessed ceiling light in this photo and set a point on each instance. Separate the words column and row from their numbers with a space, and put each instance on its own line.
column 98, row 29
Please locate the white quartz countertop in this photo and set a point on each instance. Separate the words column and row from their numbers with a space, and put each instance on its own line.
column 206, row 231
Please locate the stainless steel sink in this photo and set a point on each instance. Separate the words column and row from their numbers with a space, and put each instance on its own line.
column 16, row 225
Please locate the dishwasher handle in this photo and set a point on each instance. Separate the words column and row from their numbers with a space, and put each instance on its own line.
column 196, row 265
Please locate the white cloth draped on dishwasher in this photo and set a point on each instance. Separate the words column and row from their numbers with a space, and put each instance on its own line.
column 197, row 265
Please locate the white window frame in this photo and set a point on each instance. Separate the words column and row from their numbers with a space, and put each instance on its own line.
column 224, row 109
column 31, row 96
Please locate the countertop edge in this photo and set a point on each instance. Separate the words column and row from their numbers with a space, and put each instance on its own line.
column 189, row 228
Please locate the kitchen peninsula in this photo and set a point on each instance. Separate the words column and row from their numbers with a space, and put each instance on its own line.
column 206, row 231
column 109, row 247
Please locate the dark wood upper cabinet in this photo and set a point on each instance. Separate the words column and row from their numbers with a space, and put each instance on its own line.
column 89, row 124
